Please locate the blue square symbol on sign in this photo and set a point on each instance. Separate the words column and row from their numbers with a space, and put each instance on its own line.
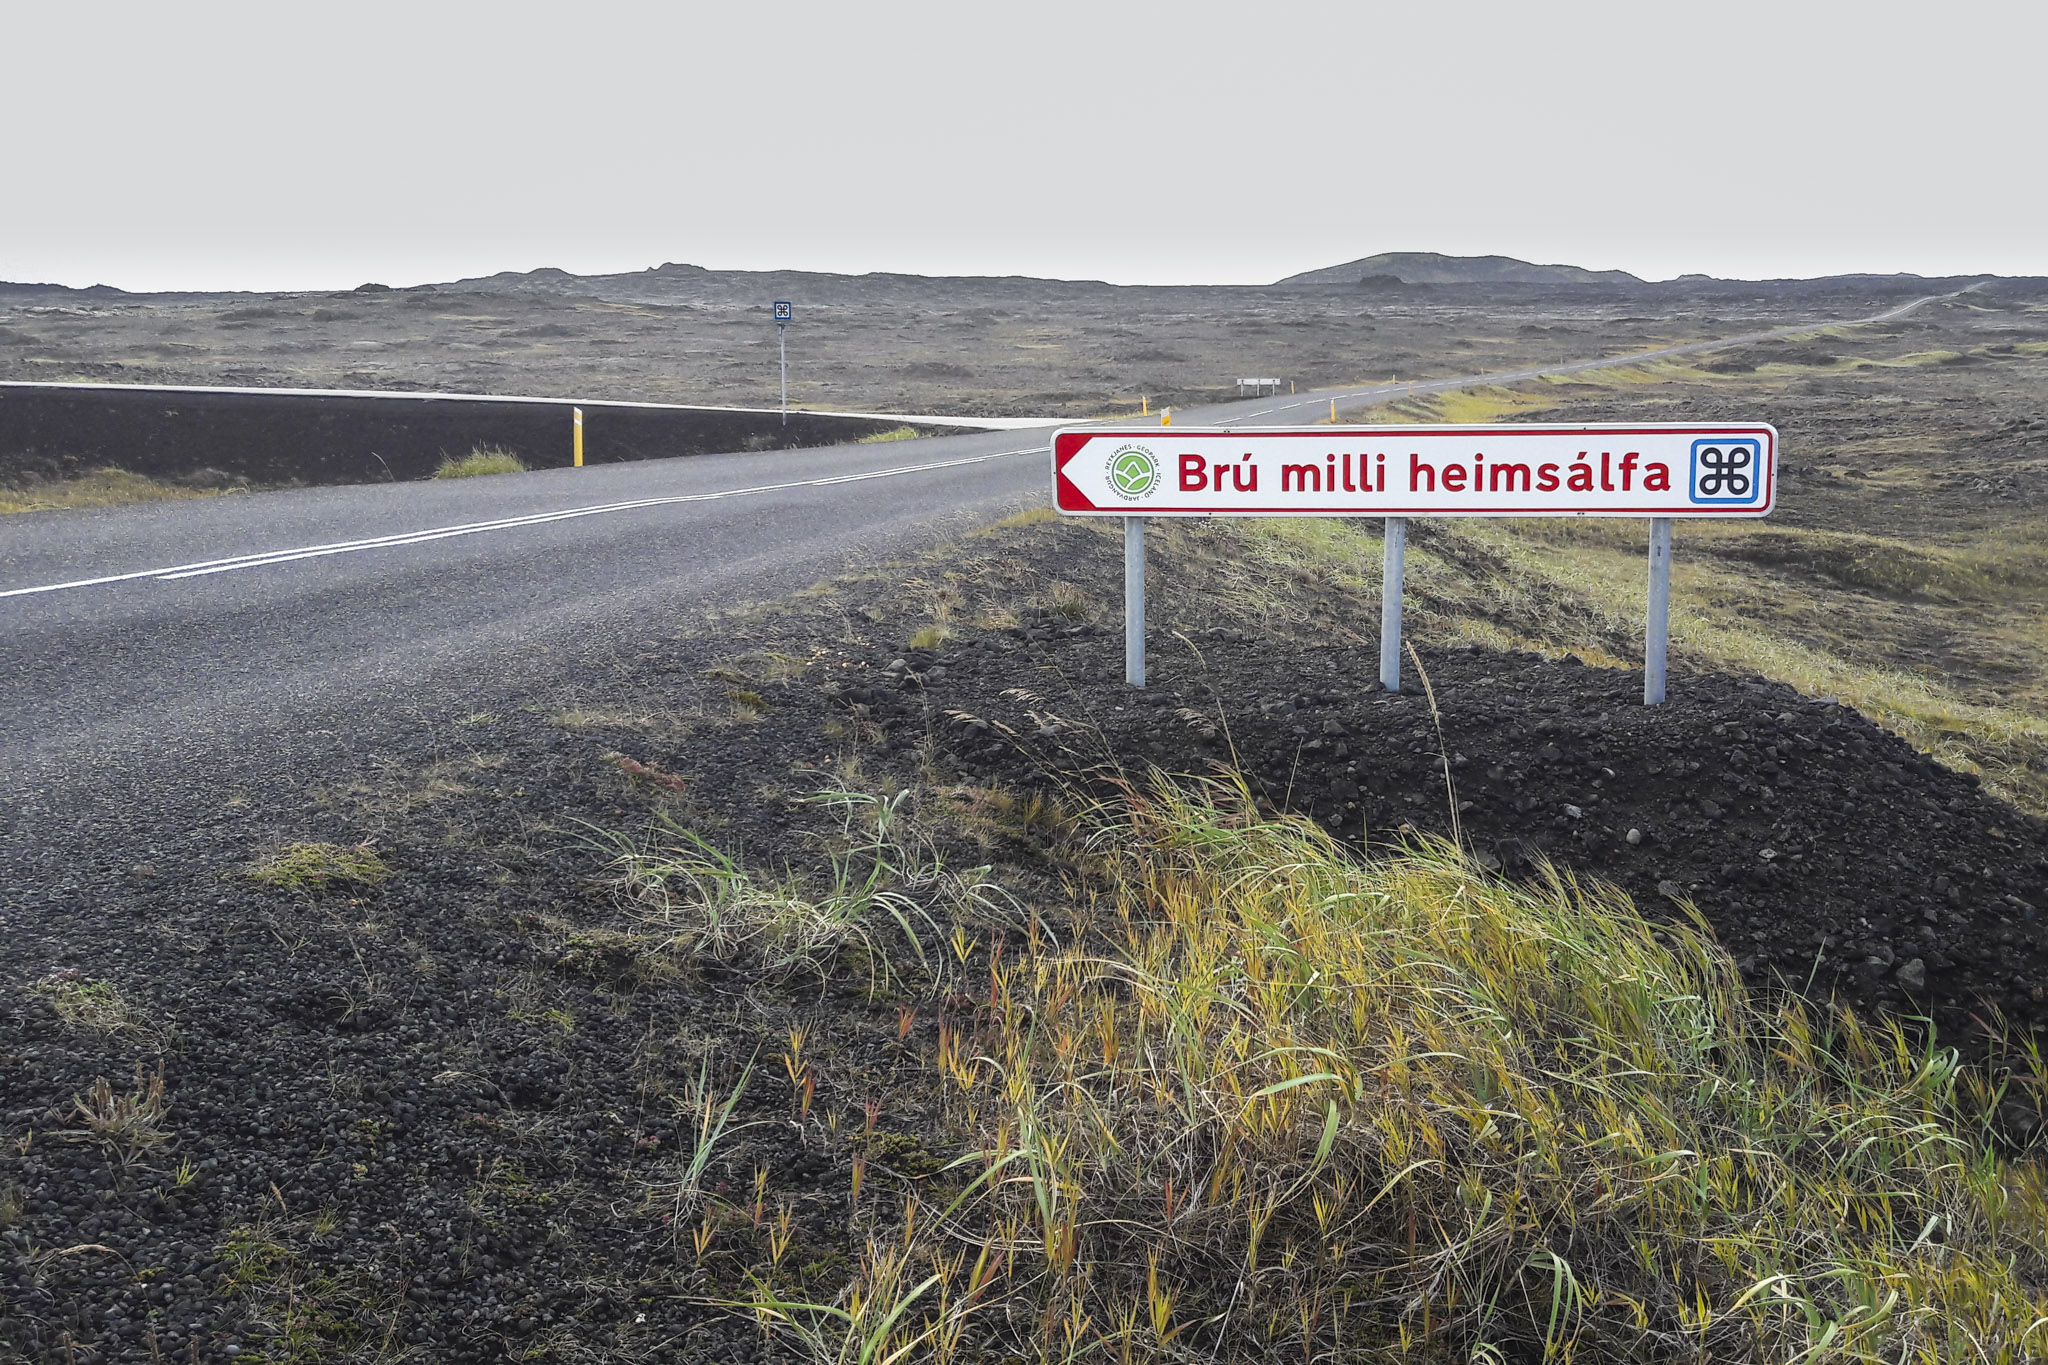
column 784, row 312
column 1727, row 469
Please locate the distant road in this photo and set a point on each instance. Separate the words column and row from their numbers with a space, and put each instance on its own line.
column 1316, row 406
column 149, row 648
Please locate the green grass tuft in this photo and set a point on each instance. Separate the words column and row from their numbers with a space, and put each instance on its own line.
column 321, row 867
column 482, row 460
column 80, row 1001
column 888, row 879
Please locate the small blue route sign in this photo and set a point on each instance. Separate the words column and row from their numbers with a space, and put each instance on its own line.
column 1726, row 471
column 784, row 311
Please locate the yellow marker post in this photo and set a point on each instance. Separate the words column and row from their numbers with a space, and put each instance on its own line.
column 579, row 436
column 1166, row 417
column 1333, row 410
column 1144, row 406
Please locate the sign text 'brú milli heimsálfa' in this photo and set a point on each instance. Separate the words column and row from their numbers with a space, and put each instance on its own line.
column 1525, row 471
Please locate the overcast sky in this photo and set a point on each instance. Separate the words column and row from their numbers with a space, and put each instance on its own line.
column 269, row 146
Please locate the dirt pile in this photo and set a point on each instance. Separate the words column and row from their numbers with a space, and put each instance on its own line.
column 1824, row 851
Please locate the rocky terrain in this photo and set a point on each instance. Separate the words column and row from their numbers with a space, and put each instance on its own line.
column 891, row 343
column 377, row 1061
column 1826, row 853
column 437, row 1104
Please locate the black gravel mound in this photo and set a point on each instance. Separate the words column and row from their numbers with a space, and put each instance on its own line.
column 433, row 1118
column 1825, row 852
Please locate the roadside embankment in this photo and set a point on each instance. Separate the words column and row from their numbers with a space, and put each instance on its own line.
column 215, row 437
column 844, row 954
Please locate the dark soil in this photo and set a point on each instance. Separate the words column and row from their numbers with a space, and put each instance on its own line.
column 1823, row 850
column 435, row 1118
column 424, row 1120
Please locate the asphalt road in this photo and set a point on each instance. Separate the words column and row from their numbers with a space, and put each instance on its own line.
column 154, row 650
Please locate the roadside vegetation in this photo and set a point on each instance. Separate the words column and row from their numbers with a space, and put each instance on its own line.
column 101, row 488
column 1269, row 1100
column 892, row 434
column 480, row 461
column 92, row 1005
column 321, row 867
column 885, row 890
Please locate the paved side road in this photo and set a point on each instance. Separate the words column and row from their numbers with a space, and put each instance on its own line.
column 144, row 649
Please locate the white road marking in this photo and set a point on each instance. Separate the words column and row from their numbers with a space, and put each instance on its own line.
column 269, row 557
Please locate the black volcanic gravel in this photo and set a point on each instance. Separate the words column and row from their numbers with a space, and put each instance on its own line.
column 433, row 1108
column 1824, row 851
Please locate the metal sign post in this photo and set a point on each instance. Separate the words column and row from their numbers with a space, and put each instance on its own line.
column 785, row 313
column 1134, row 601
column 1657, row 471
column 1395, row 568
column 1657, row 629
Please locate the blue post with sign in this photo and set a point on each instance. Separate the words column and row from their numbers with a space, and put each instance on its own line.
column 785, row 313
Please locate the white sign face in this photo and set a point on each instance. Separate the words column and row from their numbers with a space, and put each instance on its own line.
column 1438, row 471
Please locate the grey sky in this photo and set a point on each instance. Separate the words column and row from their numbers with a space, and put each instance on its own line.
column 285, row 146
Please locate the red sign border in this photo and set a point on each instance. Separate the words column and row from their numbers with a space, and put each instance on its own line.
column 1068, row 442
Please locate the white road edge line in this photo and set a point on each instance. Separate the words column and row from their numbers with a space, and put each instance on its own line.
column 202, row 568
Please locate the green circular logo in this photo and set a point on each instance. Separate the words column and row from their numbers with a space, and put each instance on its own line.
column 1134, row 473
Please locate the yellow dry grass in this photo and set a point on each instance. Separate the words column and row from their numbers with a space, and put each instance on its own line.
column 905, row 433
column 1284, row 1104
column 101, row 488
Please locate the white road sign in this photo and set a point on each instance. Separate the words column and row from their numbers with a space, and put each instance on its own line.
column 1646, row 470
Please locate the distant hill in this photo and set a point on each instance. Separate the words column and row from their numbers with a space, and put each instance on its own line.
column 1428, row 267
